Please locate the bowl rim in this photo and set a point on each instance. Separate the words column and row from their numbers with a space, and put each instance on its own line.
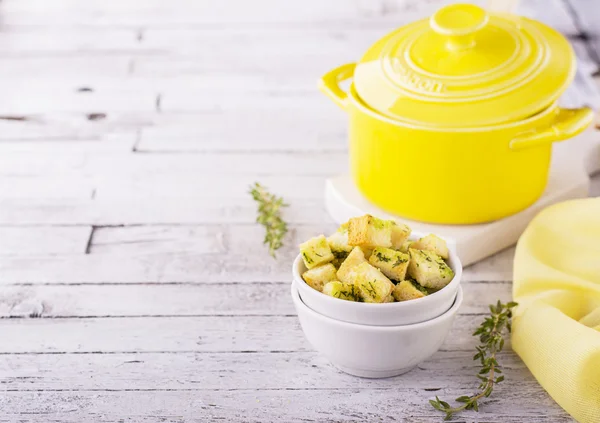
column 456, row 267
column 427, row 323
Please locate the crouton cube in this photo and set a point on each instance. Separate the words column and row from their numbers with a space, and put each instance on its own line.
column 432, row 243
column 316, row 251
column 342, row 290
column 405, row 246
column 367, row 252
column 429, row 269
column 370, row 232
column 400, row 233
column 408, row 290
column 392, row 263
column 338, row 243
column 374, row 286
column 346, row 271
column 389, row 298
column 319, row 276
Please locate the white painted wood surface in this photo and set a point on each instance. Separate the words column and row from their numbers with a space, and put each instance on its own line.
column 133, row 283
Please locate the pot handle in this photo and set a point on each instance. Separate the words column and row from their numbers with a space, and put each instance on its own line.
column 566, row 124
column 329, row 83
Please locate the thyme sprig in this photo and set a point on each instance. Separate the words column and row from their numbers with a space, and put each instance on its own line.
column 269, row 215
column 490, row 334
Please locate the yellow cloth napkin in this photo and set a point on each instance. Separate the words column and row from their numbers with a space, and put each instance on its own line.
column 556, row 328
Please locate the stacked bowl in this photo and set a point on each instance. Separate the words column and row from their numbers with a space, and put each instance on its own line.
column 376, row 340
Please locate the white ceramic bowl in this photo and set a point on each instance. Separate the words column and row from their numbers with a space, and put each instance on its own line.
column 386, row 314
column 374, row 351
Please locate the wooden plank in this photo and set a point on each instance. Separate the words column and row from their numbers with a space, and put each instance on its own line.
column 18, row 187
column 525, row 402
column 44, row 240
column 109, row 145
column 60, row 66
column 143, row 166
column 70, row 126
column 231, row 14
column 24, row 100
column 234, row 240
column 179, row 334
column 190, row 186
column 183, row 268
column 210, row 14
column 278, row 130
column 255, row 299
column 56, row 41
column 155, row 211
column 239, row 371
column 169, row 240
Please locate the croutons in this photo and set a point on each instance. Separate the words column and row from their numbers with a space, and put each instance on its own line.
column 319, row 276
column 392, row 263
column 342, row 290
column 405, row 246
column 338, row 243
column 370, row 232
column 429, row 269
column 432, row 243
column 408, row 290
column 346, row 271
column 389, row 298
column 316, row 251
column 374, row 286
column 367, row 252
column 400, row 233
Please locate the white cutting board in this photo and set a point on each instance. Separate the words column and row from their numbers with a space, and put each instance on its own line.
column 572, row 164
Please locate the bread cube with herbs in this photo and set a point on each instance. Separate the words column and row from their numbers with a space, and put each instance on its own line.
column 342, row 290
column 346, row 271
column 316, row 251
column 429, row 269
column 373, row 285
column 318, row 276
column 338, row 243
column 408, row 290
column 392, row 263
column 373, row 260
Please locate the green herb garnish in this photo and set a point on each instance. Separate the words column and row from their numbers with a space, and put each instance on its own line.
column 381, row 257
column 269, row 215
column 492, row 342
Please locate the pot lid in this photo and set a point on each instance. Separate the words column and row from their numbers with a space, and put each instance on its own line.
column 465, row 67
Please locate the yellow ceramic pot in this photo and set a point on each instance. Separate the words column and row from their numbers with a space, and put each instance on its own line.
column 452, row 118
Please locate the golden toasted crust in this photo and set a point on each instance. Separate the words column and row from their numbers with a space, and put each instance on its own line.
column 400, row 233
column 370, row 232
column 342, row 290
column 432, row 243
column 346, row 271
column 318, row 276
column 392, row 263
column 315, row 252
column 405, row 291
column 374, row 286
column 429, row 269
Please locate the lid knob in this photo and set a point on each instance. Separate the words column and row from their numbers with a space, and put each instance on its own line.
column 459, row 22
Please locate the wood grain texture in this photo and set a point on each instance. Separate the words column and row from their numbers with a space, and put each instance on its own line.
column 25, row 241
column 344, row 405
column 201, row 334
column 164, row 299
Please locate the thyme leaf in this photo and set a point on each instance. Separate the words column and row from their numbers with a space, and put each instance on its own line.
column 269, row 215
column 490, row 334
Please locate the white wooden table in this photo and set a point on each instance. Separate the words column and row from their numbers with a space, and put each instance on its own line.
column 133, row 283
